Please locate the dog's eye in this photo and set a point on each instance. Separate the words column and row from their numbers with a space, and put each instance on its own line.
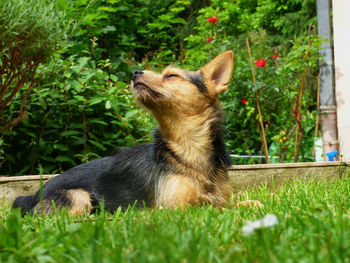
column 168, row 76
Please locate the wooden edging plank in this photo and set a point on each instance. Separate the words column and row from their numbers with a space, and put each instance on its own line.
column 287, row 165
column 242, row 176
column 26, row 178
column 232, row 168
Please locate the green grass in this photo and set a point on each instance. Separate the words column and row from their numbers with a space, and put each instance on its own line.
column 314, row 226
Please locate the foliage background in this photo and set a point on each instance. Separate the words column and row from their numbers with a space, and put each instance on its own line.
column 82, row 108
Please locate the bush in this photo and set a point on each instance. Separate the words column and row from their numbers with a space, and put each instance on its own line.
column 81, row 112
column 81, row 108
column 133, row 29
column 30, row 31
column 225, row 25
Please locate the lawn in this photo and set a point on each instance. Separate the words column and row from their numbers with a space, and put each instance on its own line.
column 314, row 226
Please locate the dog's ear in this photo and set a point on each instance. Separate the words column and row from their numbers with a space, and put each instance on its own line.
column 217, row 73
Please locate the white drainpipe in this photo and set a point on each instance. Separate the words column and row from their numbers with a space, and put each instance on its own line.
column 341, row 34
column 327, row 108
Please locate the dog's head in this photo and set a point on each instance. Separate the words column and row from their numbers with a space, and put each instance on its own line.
column 177, row 92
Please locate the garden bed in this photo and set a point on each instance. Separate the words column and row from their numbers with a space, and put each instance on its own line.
column 242, row 176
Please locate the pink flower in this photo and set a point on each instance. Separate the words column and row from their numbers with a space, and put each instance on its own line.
column 275, row 56
column 210, row 39
column 260, row 63
column 244, row 101
column 213, row 19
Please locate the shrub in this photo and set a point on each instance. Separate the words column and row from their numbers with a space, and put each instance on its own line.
column 78, row 113
column 81, row 108
column 224, row 25
column 30, row 31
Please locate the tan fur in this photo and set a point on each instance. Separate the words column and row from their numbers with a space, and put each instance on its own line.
column 178, row 191
column 184, row 113
column 185, row 116
column 190, row 189
column 80, row 202
column 218, row 72
column 44, row 207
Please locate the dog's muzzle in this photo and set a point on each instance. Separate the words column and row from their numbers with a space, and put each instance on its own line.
column 136, row 74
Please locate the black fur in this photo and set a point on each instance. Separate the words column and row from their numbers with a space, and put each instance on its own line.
column 220, row 155
column 132, row 174
column 121, row 180
column 24, row 202
column 197, row 80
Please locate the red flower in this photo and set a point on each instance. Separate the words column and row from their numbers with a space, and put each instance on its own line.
column 260, row 63
column 295, row 113
column 244, row 101
column 210, row 39
column 275, row 56
column 213, row 19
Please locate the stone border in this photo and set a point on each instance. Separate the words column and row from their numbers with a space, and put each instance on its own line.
column 5, row 179
column 248, row 176
column 286, row 165
column 242, row 176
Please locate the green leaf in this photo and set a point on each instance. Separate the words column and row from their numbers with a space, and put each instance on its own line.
column 62, row 4
column 121, row 84
column 70, row 133
column 61, row 147
column 42, row 103
column 108, row 105
column 130, row 114
column 108, row 9
column 108, row 29
column 98, row 145
column 94, row 101
column 113, row 77
column 98, row 121
column 81, row 63
column 64, row 159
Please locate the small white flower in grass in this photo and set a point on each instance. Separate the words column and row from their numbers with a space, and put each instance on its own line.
column 267, row 221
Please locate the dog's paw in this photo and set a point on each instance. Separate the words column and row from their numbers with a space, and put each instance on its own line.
column 250, row 203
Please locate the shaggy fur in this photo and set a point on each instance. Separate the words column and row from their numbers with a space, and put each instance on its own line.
column 185, row 165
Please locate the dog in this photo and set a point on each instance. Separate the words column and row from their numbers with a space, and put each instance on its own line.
column 187, row 164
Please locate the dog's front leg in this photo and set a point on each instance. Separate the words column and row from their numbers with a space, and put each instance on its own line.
column 177, row 191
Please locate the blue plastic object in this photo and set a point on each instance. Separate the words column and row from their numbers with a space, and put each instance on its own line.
column 332, row 155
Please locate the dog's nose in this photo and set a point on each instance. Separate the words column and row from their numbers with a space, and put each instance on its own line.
column 136, row 74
